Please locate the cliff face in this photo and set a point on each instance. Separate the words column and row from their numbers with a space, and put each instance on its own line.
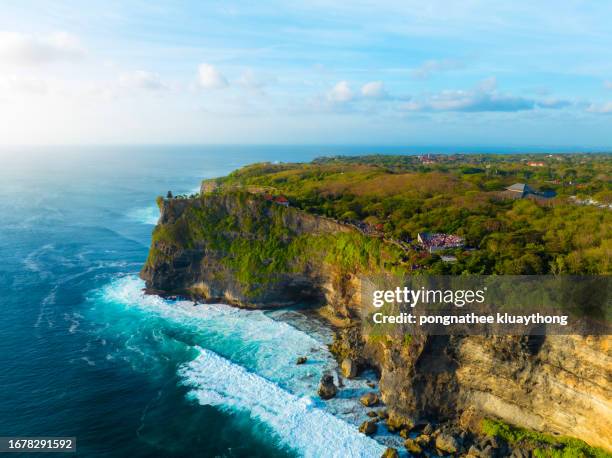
column 240, row 249
column 557, row 384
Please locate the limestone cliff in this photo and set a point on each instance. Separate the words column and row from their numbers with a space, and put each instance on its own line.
column 239, row 248
column 556, row 384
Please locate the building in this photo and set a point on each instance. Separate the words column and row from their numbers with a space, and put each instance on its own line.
column 282, row 200
column 522, row 191
column 535, row 164
column 438, row 242
column 519, row 190
column 427, row 160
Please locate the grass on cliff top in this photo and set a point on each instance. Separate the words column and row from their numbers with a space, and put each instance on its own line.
column 253, row 241
column 463, row 196
column 545, row 445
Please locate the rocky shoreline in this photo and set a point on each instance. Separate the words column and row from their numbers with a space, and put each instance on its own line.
column 430, row 438
column 233, row 248
column 422, row 439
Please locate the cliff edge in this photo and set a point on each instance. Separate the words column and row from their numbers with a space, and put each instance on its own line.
column 239, row 248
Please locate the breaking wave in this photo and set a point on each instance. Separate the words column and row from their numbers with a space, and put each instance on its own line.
column 242, row 360
column 296, row 420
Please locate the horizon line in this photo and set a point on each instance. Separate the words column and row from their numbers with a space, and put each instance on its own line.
column 460, row 148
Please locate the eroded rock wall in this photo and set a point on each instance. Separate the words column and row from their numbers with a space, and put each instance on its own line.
column 559, row 384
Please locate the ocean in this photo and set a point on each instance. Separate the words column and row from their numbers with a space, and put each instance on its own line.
column 84, row 353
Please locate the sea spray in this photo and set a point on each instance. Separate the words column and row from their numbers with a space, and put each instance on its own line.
column 253, row 348
column 296, row 420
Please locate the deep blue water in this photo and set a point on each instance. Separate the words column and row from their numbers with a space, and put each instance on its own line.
column 83, row 353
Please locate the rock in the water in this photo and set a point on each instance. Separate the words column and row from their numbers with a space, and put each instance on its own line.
column 372, row 414
column 390, row 453
column 301, row 360
column 369, row 399
column 413, row 446
column 327, row 388
column 371, row 384
column 446, row 442
column 349, row 368
column 368, row 427
column 382, row 413
column 397, row 423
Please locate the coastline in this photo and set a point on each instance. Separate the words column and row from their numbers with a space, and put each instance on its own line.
column 260, row 250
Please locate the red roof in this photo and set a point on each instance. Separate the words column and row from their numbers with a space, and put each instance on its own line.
column 268, row 196
column 281, row 200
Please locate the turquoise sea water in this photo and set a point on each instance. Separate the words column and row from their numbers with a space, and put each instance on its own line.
column 84, row 353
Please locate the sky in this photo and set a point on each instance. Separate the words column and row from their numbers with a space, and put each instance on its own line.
column 407, row 72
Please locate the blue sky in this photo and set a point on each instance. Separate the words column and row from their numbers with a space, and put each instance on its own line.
column 407, row 72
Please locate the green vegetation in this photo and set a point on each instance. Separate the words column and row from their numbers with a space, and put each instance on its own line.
column 462, row 195
column 407, row 340
column 255, row 243
column 543, row 445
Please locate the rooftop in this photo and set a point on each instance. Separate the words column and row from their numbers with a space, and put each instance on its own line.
column 520, row 187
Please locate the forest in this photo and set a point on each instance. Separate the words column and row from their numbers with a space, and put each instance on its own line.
column 463, row 195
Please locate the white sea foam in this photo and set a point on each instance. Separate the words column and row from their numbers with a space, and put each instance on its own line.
column 256, row 353
column 296, row 420
column 74, row 321
column 251, row 338
column 32, row 263
column 88, row 361
column 145, row 215
column 43, row 312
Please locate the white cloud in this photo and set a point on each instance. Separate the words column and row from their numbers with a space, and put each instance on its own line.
column 552, row 102
column 21, row 49
column 24, row 84
column 341, row 93
column 487, row 84
column 250, row 80
column 412, row 106
column 603, row 108
column 435, row 66
column 485, row 97
column 470, row 101
column 374, row 90
column 141, row 79
column 210, row 78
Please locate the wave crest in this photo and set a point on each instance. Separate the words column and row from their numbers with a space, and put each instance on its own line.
column 296, row 420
